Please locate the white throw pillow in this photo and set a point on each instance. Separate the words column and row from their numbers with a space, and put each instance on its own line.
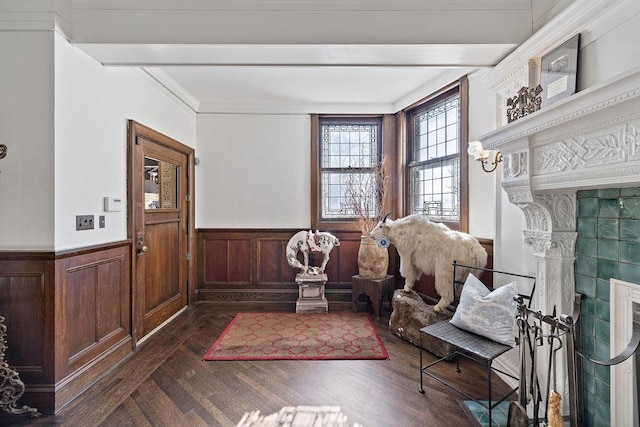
column 491, row 314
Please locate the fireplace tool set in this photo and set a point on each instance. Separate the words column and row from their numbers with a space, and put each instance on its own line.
column 536, row 329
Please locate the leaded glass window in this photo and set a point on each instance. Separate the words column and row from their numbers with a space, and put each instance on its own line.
column 348, row 152
column 435, row 160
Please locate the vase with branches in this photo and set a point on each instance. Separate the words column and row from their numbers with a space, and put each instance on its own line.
column 365, row 195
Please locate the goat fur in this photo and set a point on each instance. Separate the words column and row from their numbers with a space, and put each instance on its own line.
column 430, row 248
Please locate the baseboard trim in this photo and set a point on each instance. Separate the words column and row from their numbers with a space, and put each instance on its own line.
column 160, row 326
column 74, row 385
column 267, row 300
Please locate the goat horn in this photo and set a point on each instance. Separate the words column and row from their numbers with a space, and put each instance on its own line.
column 385, row 217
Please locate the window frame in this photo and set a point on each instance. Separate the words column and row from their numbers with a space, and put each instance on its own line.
column 461, row 87
column 386, row 126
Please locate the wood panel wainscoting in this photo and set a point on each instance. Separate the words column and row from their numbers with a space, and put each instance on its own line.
column 68, row 317
column 248, row 269
column 68, row 314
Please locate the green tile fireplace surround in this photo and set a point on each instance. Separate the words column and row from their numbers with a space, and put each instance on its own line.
column 608, row 246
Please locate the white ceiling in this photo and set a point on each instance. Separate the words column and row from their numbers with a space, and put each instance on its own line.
column 303, row 56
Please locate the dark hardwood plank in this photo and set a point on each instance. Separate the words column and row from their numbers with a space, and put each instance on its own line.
column 166, row 383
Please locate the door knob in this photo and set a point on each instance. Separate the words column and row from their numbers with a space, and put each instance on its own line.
column 140, row 247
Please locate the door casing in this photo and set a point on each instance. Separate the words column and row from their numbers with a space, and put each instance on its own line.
column 135, row 214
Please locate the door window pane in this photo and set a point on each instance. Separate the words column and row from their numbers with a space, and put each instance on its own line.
column 160, row 184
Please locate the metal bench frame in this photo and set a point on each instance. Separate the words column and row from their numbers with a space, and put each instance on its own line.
column 471, row 346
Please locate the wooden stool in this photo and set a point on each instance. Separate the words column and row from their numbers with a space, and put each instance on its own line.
column 374, row 289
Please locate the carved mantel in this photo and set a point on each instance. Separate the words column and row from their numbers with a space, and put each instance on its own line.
column 589, row 140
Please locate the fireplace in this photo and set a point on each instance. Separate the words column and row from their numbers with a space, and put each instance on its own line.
column 575, row 158
column 607, row 253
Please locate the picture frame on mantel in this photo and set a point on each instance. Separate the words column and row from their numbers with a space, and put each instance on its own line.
column 559, row 71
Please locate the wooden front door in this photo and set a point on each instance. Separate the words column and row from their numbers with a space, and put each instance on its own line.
column 160, row 220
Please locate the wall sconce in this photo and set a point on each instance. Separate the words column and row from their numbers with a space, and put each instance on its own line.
column 479, row 153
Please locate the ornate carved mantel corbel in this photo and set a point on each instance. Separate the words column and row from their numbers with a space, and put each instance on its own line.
column 550, row 230
column 550, row 220
column 550, row 224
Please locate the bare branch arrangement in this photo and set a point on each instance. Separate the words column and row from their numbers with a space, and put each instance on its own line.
column 366, row 195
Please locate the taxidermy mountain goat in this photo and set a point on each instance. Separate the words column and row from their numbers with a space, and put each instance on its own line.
column 427, row 247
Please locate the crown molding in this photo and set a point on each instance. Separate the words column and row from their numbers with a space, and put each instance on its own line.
column 294, row 108
column 37, row 15
column 166, row 81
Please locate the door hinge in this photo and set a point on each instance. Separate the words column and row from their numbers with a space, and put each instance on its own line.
column 187, row 256
column 188, row 197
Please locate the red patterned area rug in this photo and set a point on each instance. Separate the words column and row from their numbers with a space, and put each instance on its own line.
column 298, row 336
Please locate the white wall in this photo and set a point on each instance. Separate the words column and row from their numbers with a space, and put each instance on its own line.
column 491, row 215
column 92, row 106
column 254, row 171
column 26, row 128
column 611, row 48
column 482, row 185
column 276, row 193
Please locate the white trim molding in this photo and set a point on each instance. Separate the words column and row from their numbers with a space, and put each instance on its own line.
column 624, row 299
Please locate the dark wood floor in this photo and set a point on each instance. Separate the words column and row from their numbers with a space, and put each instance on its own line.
column 166, row 383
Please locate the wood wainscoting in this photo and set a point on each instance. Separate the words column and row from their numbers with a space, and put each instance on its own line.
column 247, row 269
column 68, row 314
column 68, row 318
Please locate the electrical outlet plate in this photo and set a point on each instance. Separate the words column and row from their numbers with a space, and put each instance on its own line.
column 84, row 222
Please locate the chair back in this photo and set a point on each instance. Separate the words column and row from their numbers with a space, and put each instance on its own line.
column 457, row 284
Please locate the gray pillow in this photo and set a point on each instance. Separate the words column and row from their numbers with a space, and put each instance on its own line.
column 491, row 314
